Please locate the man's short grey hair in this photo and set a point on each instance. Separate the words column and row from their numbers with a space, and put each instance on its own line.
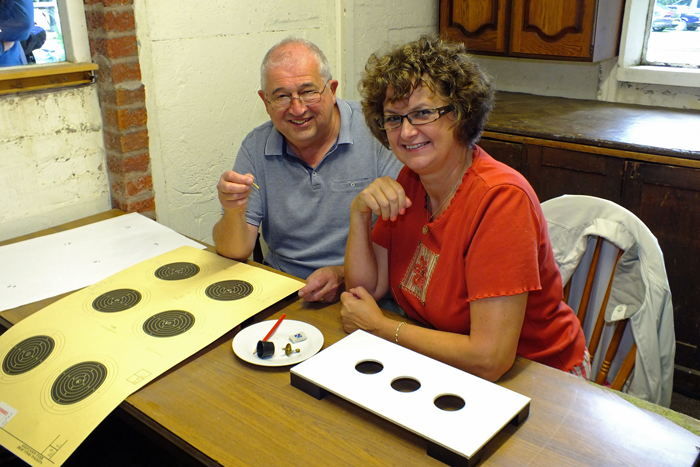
column 272, row 60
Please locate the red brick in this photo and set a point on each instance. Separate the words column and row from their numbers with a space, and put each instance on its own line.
column 121, row 165
column 122, row 97
column 117, row 73
column 139, row 185
column 123, row 119
column 119, row 21
column 116, row 47
column 132, row 186
column 126, row 142
column 132, row 118
column 125, row 72
column 142, row 205
column 95, row 20
column 117, row 2
column 108, row 3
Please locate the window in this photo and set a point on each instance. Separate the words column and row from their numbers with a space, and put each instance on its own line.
column 60, row 66
column 47, row 18
column 656, row 48
column 672, row 39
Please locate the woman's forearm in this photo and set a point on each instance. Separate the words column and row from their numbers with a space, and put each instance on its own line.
column 360, row 261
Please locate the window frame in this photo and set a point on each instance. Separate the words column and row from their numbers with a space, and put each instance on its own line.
column 632, row 46
column 76, row 70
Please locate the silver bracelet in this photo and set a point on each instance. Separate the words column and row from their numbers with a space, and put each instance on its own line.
column 397, row 330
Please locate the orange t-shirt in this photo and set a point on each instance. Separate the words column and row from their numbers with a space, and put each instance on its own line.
column 491, row 241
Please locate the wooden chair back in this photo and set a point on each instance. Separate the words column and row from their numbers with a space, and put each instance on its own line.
column 594, row 340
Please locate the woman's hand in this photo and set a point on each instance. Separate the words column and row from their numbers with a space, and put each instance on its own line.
column 385, row 197
column 360, row 311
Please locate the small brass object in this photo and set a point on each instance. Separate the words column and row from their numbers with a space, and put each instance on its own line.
column 288, row 350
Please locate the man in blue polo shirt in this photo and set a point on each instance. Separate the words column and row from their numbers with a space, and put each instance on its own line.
column 298, row 173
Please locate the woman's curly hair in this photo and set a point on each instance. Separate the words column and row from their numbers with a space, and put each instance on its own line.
column 445, row 67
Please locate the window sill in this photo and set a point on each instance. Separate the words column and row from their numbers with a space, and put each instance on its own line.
column 48, row 76
column 683, row 77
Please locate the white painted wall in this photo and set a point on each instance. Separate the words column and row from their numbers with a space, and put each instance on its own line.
column 200, row 65
column 52, row 157
column 52, row 160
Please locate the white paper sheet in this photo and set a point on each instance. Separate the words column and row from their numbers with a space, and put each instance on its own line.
column 54, row 264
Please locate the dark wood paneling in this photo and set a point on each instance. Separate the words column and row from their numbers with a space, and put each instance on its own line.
column 511, row 154
column 667, row 200
column 554, row 172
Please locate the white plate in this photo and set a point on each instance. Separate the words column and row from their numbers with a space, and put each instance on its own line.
column 246, row 341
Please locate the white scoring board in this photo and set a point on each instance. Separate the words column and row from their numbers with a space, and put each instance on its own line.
column 458, row 435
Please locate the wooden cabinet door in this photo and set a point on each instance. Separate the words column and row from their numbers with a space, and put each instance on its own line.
column 482, row 25
column 553, row 172
column 511, row 154
column 667, row 200
column 553, row 27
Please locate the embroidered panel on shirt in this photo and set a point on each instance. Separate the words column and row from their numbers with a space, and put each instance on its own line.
column 419, row 272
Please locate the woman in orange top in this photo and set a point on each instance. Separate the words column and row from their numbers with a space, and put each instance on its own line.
column 461, row 241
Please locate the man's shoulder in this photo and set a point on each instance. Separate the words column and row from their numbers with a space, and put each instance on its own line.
column 263, row 136
column 261, row 131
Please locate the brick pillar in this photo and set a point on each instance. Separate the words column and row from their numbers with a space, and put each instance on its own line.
column 112, row 34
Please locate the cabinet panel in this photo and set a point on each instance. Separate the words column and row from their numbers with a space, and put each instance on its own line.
column 554, row 172
column 481, row 24
column 667, row 200
column 553, row 27
column 587, row 30
column 511, row 154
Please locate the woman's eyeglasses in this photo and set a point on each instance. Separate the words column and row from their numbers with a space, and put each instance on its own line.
column 417, row 117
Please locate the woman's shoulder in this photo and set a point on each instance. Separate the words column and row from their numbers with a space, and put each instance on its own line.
column 494, row 172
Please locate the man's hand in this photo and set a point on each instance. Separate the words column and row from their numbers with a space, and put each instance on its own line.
column 324, row 285
column 234, row 189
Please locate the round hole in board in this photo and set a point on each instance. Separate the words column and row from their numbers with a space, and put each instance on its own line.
column 369, row 367
column 449, row 402
column 405, row 384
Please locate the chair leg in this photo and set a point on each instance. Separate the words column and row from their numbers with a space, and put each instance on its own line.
column 612, row 350
column 626, row 368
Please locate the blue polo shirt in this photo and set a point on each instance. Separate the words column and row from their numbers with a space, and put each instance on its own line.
column 304, row 212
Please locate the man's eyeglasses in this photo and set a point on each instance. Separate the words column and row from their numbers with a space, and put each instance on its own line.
column 283, row 101
column 417, row 117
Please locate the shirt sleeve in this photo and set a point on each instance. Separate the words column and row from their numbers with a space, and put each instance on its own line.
column 387, row 163
column 502, row 258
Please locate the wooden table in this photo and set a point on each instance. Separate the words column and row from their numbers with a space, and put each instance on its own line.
column 223, row 411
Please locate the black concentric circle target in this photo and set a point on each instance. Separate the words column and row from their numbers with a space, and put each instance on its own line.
column 78, row 382
column 177, row 271
column 229, row 290
column 169, row 323
column 27, row 355
column 117, row 300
